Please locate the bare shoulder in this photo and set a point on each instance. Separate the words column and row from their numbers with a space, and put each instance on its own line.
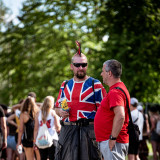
column 53, row 112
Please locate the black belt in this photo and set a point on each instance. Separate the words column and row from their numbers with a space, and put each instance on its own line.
column 81, row 122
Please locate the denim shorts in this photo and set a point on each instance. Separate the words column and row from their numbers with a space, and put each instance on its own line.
column 118, row 152
column 11, row 143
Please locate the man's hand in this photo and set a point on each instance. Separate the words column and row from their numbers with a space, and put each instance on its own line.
column 63, row 114
column 111, row 144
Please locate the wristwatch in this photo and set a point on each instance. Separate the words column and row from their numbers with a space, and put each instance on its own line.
column 112, row 138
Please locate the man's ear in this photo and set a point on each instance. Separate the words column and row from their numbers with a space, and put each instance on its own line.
column 110, row 73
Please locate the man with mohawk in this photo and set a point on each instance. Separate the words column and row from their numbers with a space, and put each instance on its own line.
column 77, row 104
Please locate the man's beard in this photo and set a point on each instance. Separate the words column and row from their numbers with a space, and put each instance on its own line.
column 80, row 75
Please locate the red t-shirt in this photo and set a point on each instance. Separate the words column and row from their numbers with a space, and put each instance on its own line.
column 104, row 117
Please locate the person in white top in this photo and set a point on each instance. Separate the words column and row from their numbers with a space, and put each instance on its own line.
column 138, row 119
column 48, row 116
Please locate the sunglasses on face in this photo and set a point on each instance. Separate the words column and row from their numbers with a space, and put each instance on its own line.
column 80, row 64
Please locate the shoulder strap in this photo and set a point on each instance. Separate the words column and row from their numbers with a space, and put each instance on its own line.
column 94, row 92
column 136, row 118
column 129, row 112
column 65, row 83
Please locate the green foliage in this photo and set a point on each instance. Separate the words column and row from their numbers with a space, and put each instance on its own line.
column 3, row 11
column 133, row 29
column 35, row 54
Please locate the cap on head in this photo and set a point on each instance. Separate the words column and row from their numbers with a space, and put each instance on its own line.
column 140, row 108
column 134, row 102
column 32, row 94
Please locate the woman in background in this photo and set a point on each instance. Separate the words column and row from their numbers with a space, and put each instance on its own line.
column 13, row 120
column 47, row 115
column 155, row 138
column 27, row 117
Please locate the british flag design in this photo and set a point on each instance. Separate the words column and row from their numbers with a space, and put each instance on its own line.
column 81, row 99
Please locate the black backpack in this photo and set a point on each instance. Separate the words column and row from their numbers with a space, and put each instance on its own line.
column 133, row 129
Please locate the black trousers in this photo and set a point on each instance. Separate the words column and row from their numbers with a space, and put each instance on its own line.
column 77, row 143
column 47, row 153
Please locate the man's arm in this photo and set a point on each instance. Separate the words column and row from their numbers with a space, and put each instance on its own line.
column 4, row 132
column 118, row 122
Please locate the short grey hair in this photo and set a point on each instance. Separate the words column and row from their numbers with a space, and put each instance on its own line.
column 114, row 66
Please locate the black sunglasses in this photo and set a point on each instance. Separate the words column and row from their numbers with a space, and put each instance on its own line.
column 80, row 64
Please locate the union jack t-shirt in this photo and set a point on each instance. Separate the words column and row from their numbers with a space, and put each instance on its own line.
column 81, row 98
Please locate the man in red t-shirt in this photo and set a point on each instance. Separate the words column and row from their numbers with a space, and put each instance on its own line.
column 111, row 120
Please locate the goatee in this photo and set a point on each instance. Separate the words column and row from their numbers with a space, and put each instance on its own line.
column 80, row 75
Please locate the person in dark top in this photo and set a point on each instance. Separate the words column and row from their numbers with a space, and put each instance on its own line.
column 27, row 116
column 4, row 151
column 11, row 143
column 154, row 137
column 143, row 147
column 77, row 138
column 13, row 135
column 3, row 131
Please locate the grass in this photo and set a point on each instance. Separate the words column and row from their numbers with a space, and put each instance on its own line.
column 150, row 157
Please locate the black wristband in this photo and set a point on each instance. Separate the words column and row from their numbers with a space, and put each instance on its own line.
column 112, row 138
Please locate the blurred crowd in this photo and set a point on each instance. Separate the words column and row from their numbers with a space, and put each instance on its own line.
column 146, row 117
column 17, row 120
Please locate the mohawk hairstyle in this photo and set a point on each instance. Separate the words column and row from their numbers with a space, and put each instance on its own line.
column 79, row 49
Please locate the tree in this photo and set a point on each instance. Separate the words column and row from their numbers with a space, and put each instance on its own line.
column 133, row 30
column 40, row 47
column 35, row 54
column 4, row 23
